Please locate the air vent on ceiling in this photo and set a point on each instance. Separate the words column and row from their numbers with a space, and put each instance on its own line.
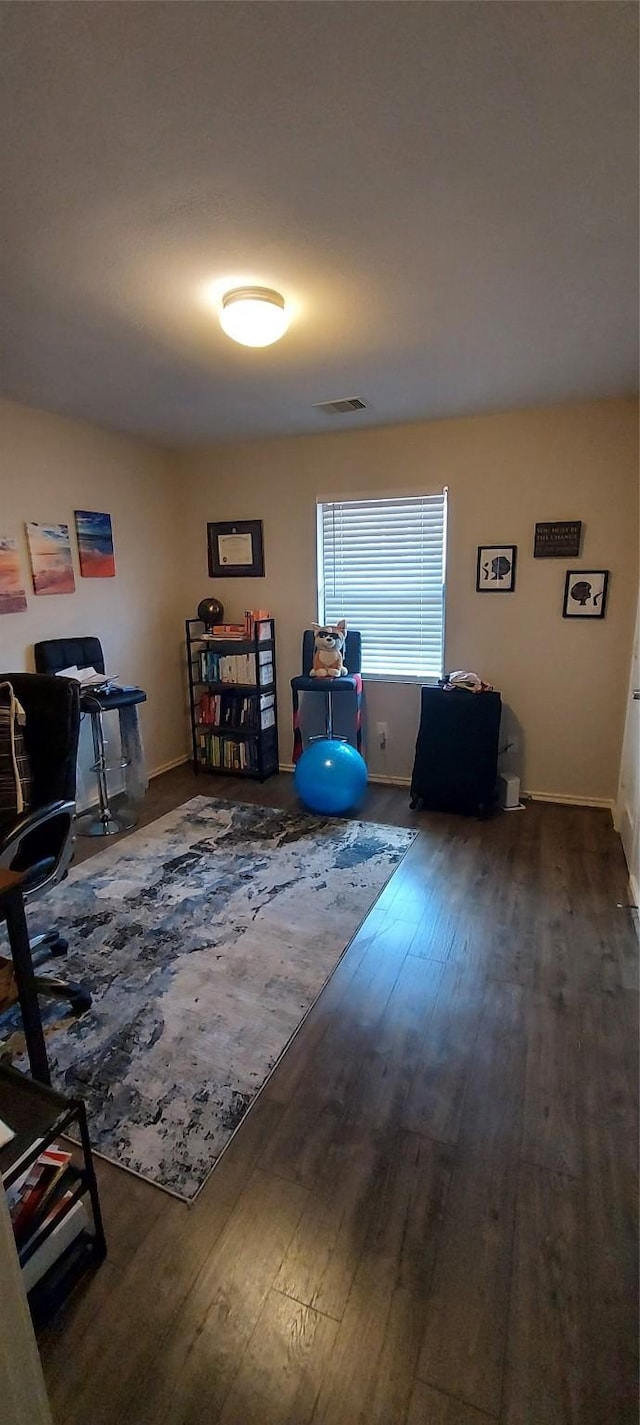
column 342, row 407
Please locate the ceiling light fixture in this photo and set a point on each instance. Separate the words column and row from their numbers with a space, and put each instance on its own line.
column 254, row 316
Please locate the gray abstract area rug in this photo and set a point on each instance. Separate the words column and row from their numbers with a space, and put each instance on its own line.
column 204, row 938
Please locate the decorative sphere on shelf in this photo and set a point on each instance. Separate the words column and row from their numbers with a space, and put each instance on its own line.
column 211, row 612
column 331, row 777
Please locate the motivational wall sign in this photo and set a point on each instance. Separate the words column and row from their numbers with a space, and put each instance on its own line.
column 557, row 539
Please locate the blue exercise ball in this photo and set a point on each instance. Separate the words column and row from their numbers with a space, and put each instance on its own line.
column 331, row 776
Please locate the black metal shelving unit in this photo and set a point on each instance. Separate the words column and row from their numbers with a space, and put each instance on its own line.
column 38, row 1116
column 228, row 738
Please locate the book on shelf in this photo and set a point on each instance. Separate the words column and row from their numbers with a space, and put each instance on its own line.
column 75, row 1221
column 236, row 667
column 45, row 1211
column 225, row 753
column 34, row 1195
column 256, row 626
column 227, row 710
column 225, row 631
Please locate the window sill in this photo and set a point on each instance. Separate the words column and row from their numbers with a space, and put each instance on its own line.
column 415, row 679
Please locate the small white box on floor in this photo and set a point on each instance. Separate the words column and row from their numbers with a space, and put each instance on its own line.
column 508, row 792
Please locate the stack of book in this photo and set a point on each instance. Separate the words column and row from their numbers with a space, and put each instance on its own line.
column 256, row 626
column 258, row 623
column 224, row 752
column 46, row 1212
column 235, row 667
column 225, row 710
column 225, row 631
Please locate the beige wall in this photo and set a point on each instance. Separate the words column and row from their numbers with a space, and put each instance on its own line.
column 565, row 681
column 50, row 466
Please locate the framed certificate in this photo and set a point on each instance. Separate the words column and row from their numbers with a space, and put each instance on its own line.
column 236, row 549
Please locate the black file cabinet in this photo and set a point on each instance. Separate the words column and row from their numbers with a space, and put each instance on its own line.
column 456, row 759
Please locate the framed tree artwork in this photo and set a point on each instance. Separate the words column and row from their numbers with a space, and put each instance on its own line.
column 496, row 569
column 585, row 593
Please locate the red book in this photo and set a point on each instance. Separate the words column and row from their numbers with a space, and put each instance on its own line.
column 36, row 1190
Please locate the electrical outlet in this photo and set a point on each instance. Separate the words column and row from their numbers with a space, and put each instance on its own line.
column 383, row 733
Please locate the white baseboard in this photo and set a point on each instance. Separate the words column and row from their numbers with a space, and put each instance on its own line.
column 384, row 780
column 116, row 791
column 378, row 777
column 168, row 766
column 606, row 803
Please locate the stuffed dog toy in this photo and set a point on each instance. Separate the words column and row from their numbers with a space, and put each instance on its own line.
column 329, row 643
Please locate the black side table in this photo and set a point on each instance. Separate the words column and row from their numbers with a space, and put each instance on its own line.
column 38, row 1116
column 456, row 761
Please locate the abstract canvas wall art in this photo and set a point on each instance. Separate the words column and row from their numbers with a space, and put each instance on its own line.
column 12, row 594
column 50, row 555
column 95, row 544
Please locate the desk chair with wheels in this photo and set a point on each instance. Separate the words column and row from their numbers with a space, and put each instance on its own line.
column 53, row 654
column 327, row 687
column 39, row 844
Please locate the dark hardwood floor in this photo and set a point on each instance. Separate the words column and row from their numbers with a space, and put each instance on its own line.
column 429, row 1215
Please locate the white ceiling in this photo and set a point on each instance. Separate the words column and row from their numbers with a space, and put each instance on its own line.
column 446, row 193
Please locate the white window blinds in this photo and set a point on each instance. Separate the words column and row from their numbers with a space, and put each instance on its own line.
column 381, row 565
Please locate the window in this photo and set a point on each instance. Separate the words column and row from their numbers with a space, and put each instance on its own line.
column 381, row 565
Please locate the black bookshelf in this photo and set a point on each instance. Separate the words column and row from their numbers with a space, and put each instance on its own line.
column 234, row 724
column 38, row 1116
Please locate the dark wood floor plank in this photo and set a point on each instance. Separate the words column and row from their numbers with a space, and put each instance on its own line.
column 192, row 1374
column 130, row 1208
column 610, row 1224
column 323, row 1257
column 609, row 1091
column 308, row 1125
column 487, row 999
column 435, row 1103
column 431, row 1407
column 547, row 1376
column 283, row 1366
column 551, row 1128
column 369, row 1377
column 466, row 1320
column 491, row 1119
column 152, row 1286
column 83, row 1315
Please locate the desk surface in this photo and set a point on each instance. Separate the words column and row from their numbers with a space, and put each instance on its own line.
column 9, row 881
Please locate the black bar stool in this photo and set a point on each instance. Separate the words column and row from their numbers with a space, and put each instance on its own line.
column 51, row 656
column 328, row 688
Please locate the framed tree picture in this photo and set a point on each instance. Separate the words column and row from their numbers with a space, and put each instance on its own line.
column 496, row 568
column 585, row 593
column 235, row 549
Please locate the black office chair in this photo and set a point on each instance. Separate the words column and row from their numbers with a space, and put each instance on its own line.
column 53, row 654
column 40, row 842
